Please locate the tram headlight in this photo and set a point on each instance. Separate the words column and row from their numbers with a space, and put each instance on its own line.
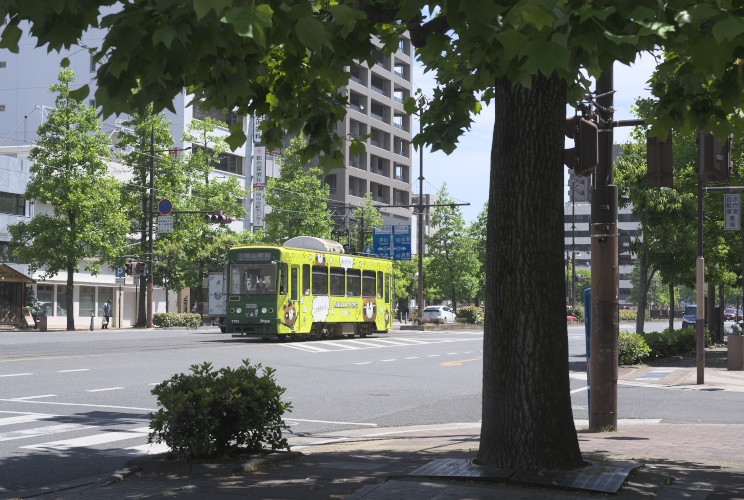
column 264, row 310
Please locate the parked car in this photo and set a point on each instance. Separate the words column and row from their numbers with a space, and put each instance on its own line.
column 729, row 314
column 442, row 314
column 689, row 319
column 570, row 317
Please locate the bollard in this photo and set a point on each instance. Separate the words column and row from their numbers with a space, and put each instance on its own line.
column 92, row 319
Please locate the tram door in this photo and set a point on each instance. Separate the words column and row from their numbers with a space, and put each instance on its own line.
column 292, row 310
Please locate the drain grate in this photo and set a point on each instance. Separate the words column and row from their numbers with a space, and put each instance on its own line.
column 593, row 478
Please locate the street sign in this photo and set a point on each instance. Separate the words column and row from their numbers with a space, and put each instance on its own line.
column 120, row 281
column 367, row 249
column 165, row 224
column 120, row 272
column 165, row 206
column 393, row 242
column 732, row 212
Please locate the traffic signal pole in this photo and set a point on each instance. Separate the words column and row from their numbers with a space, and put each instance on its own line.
column 603, row 363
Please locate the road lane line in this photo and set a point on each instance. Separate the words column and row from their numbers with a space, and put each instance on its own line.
column 34, row 397
column 34, row 417
column 104, row 389
column 82, row 405
column 413, row 357
column 388, row 360
column 16, row 375
column 76, row 370
column 368, row 424
column 460, row 362
column 363, row 363
column 580, row 389
column 95, row 439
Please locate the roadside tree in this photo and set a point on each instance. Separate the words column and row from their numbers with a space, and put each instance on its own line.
column 367, row 217
column 287, row 61
column 79, row 222
column 298, row 199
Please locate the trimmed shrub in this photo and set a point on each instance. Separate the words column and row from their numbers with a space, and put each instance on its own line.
column 208, row 414
column 470, row 314
column 187, row 320
column 628, row 314
column 632, row 348
column 673, row 342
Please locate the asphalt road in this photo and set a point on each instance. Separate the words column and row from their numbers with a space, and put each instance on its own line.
column 76, row 404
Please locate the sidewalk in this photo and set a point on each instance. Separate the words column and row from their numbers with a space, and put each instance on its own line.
column 695, row 461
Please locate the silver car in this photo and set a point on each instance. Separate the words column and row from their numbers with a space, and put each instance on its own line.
column 442, row 314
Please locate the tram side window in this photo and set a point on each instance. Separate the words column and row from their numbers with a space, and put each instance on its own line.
column 368, row 283
column 380, row 284
column 235, row 280
column 306, row 279
column 283, row 281
column 354, row 283
column 294, row 283
column 320, row 280
column 338, row 281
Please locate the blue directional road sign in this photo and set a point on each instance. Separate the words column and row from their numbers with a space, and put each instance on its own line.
column 393, row 242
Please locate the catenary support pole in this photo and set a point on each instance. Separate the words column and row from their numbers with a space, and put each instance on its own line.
column 605, row 277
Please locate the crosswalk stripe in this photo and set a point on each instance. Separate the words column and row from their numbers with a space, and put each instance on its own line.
column 81, row 442
column 305, row 347
column 364, row 343
column 342, row 345
column 23, row 419
column 391, row 342
column 42, row 431
column 143, row 449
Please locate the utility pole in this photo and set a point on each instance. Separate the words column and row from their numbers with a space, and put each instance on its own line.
column 150, row 230
column 605, row 277
column 420, row 226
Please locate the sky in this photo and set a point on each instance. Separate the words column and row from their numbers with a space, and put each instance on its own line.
column 466, row 170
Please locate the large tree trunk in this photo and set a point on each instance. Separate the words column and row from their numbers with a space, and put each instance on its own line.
column 527, row 418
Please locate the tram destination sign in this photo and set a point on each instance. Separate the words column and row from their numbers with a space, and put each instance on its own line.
column 393, row 242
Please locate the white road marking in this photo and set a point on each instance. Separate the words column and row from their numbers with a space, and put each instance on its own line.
column 95, row 439
column 104, row 389
column 76, row 370
column 432, row 355
column 413, row 357
column 42, row 431
column 305, row 347
column 387, row 360
column 342, row 345
column 143, row 449
column 580, row 389
column 16, row 375
column 82, row 405
column 368, row 424
column 363, row 363
column 33, row 417
column 34, row 397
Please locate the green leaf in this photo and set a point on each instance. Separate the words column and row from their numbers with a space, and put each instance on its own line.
column 65, row 62
column 345, row 14
column 164, row 35
column 311, row 33
column 202, row 7
column 11, row 35
column 250, row 21
column 80, row 94
column 728, row 28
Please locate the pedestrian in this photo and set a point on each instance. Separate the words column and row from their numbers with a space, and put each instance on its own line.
column 106, row 313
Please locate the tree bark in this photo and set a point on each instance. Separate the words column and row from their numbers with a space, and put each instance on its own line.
column 527, row 417
column 69, row 298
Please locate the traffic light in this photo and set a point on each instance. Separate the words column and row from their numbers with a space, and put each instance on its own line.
column 660, row 164
column 220, row 217
column 129, row 268
column 714, row 158
column 584, row 156
column 140, row 269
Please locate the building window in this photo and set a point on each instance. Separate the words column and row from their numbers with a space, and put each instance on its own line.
column 45, row 297
column 2, row 107
column 11, row 203
column 87, row 301
column 92, row 103
column 228, row 118
column 230, row 163
column 330, row 181
column 401, row 172
column 61, row 301
column 2, row 64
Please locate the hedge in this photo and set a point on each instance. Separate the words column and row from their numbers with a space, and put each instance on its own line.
column 187, row 320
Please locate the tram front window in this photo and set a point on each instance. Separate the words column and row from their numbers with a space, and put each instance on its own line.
column 253, row 279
